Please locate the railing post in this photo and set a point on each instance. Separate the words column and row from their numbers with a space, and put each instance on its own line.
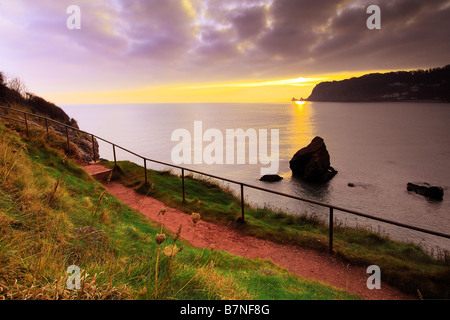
column 46, row 127
column 145, row 170
column 242, row 202
column 93, row 147
column 330, row 244
column 68, row 140
column 114, row 153
column 26, row 123
column 182, row 182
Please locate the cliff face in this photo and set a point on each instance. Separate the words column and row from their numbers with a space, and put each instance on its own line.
column 432, row 84
column 36, row 105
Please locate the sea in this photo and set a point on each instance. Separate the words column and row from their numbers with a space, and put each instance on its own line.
column 377, row 147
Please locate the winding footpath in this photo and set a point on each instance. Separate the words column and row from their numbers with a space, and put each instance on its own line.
column 305, row 262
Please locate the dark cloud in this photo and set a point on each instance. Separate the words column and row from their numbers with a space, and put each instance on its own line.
column 308, row 37
column 412, row 35
column 249, row 22
column 331, row 36
column 156, row 29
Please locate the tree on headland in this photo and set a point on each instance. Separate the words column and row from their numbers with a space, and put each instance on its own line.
column 16, row 84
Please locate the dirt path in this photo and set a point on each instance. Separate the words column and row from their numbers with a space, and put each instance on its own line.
column 305, row 262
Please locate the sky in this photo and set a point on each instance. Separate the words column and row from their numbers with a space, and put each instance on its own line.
column 158, row 51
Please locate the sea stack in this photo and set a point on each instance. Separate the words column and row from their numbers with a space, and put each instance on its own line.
column 312, row 163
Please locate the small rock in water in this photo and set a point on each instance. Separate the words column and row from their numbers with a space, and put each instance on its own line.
column 271, row 178
column 426, row 190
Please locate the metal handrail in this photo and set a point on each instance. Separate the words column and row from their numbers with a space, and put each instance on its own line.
column 241, row 184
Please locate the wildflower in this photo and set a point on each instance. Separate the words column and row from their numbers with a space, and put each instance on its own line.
column 177, row 235
column 143, row 291
column 171, row 250
column 160, row 237
column 212, row 247
column 195, row 217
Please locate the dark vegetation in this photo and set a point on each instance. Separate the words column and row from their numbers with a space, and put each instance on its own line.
column 13, row 94
column 419, row 85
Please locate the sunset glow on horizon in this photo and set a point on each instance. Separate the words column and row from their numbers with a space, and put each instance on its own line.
column 269, row 91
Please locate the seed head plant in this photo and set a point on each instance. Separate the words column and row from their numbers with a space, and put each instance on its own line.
column 195, row 216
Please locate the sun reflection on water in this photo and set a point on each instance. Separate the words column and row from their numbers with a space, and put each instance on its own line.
column 301, row 128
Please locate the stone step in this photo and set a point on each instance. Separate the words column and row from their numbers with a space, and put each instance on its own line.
column 98, row 172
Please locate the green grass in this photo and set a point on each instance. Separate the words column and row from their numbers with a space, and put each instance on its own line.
column 404, row 265
column 53, row 215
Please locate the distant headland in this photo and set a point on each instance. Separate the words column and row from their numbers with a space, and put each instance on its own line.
column 419, row 85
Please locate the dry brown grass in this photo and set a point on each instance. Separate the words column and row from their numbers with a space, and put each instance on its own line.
column 58, row 290
column 38, row 239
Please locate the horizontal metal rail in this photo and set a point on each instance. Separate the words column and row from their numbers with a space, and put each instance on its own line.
column 8, row 118
column 331, row 207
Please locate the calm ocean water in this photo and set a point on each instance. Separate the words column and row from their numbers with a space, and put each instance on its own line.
column 379, row 147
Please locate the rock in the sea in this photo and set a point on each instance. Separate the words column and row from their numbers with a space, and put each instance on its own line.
column 271, row 178
column 426, row 190
column 312, row 162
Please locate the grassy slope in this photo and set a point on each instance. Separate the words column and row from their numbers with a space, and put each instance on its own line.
column 404, row 265
column 53, row 215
